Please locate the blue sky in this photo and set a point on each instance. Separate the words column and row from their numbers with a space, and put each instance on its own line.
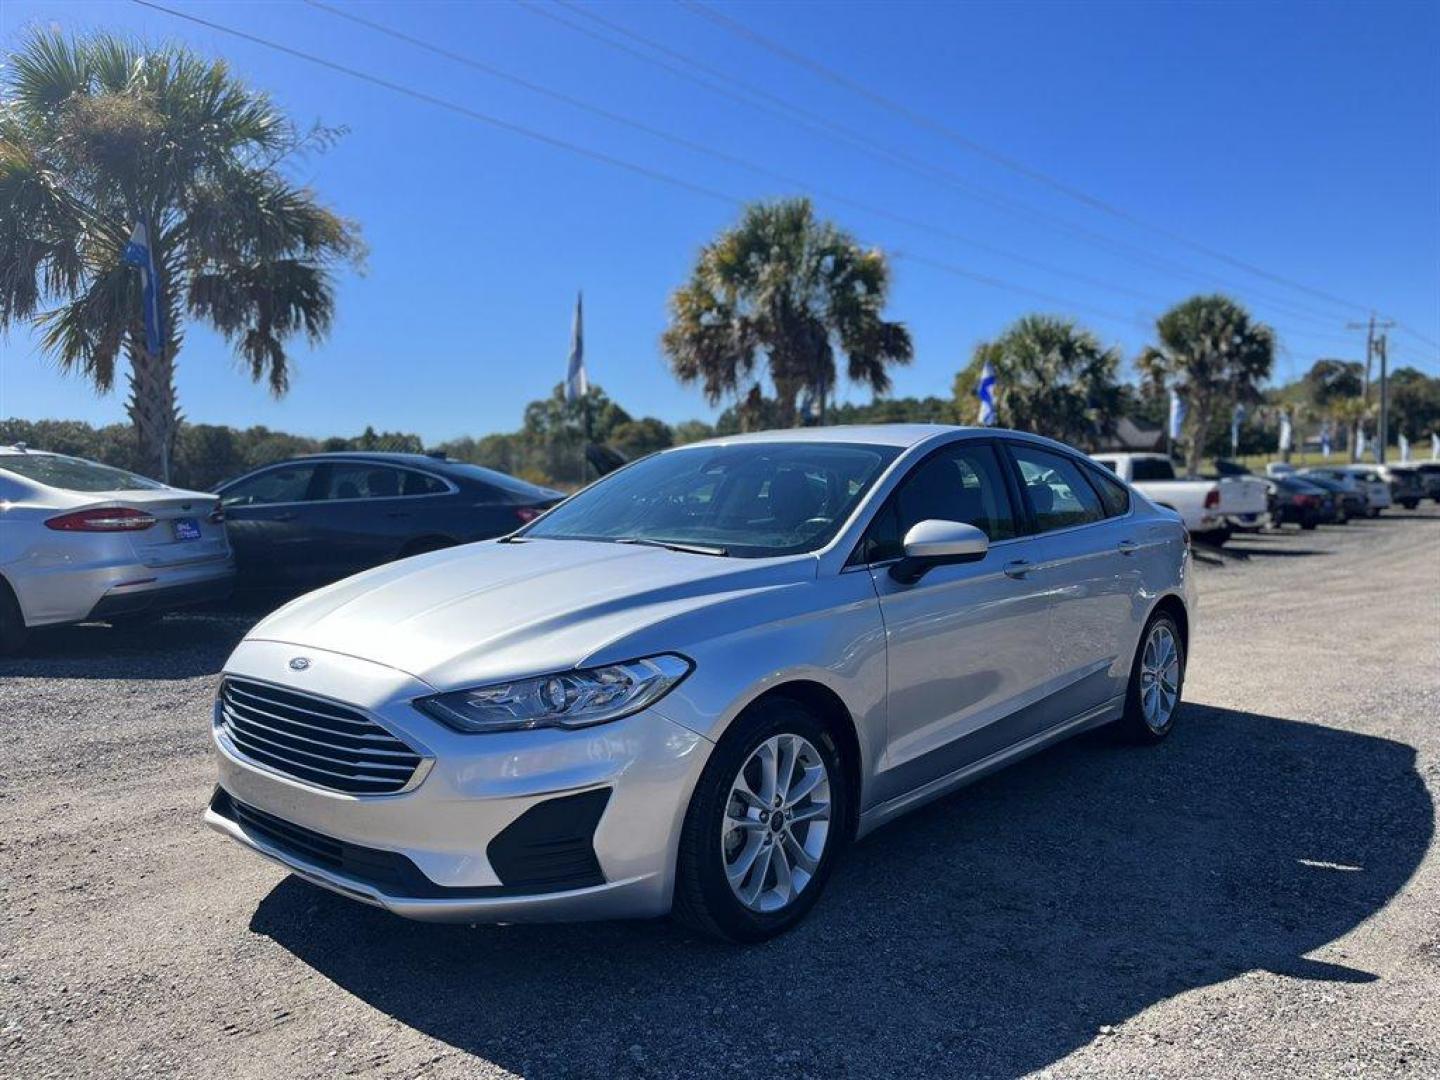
column 1303, row 139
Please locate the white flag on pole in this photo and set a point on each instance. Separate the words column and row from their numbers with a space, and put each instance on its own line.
column 577, row 383
column 1177, row 413
column 1404, row 449
column 986, row 393
column 1359, row 443
column 1435, row 446
column 1287, row 432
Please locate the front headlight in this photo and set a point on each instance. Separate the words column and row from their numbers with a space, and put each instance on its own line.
column 567, row 699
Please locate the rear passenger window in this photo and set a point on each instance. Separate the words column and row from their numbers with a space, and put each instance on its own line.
column 1055, row 485
column 422, row 484
column 1114, row 496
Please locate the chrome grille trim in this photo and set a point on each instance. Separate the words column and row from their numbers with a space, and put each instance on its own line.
column 315, row 741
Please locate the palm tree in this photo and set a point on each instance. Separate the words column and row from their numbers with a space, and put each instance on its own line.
column 790, row 288
column 98, row 134
column 1052, row 377
column 1218, row 356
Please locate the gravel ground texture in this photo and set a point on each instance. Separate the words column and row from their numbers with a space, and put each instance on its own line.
column 1259, row 896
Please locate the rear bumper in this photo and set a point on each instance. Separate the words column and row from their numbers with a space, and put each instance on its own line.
column 162, row 597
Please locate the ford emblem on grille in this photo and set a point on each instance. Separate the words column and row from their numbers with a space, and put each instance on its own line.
column 300, row 663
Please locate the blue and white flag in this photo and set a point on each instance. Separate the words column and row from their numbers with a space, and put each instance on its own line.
column 1287, row 432
column 1325, row 440
column 1359, row 443
column 1177, row 413
column 577, row 383
column 986, row 393
column 1435, row 446
column 1236, row 415
column 139, row 253
column 1404, row 449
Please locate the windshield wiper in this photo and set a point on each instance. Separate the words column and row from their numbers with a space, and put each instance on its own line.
column 675, row 545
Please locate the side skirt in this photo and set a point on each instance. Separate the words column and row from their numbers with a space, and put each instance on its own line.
column 878, row 815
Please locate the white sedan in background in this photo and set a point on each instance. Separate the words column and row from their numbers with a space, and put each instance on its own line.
column 82, row 541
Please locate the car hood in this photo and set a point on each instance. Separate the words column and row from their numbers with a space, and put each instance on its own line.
column 492, row 611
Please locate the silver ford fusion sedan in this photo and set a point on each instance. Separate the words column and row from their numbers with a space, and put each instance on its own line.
column 690, row 685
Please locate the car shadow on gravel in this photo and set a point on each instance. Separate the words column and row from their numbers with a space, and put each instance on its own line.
column 183, row 645
column 993, row 932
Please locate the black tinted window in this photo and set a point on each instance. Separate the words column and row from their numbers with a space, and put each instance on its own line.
column 964, row 483
column 1151, row 469
column 1059, row 494
column 1114, row 495
column 288, row 483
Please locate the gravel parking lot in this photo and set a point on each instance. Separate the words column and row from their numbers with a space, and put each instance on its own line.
column 1259, row 896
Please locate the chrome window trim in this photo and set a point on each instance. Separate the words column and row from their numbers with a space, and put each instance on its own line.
column 453, row 488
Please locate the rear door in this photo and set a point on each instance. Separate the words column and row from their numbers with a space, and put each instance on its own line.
column 967, row 645
column 367, row 511
column 1085, row 555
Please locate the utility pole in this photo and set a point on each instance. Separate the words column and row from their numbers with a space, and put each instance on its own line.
column 1369, row 329
column 1381, row 346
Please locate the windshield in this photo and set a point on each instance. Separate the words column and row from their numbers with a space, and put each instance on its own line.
column 75, row 474
column 750, row 500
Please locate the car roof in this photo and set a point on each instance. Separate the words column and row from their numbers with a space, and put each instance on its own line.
column 903, row 436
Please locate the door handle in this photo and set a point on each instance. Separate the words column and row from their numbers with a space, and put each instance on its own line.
column 398, row 514
column 1128, row 547
column 1017, row 568
column 289, row 515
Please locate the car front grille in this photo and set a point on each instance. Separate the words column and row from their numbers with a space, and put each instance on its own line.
column 314, row 740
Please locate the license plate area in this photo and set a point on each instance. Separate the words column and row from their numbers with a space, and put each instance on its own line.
column 185, row 529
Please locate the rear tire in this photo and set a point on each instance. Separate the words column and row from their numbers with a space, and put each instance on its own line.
column 1157, row 678
column 1410, row 504
column 778, row 855
column 1308, row 523
column 12, row 622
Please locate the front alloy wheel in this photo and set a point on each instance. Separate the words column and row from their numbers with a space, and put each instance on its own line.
column 777, row 823
column 769, row 814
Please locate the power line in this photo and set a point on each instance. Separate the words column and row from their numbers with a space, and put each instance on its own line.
column 563, row 144
column 775, row 105
column 451, row 106
column 921, row 120
column 928, row 227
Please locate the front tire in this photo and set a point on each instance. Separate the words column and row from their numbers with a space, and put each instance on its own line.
column 1157, row 678
column 768, row 818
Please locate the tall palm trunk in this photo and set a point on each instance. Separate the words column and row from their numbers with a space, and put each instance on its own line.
column 152, row 406
column 1201, row 415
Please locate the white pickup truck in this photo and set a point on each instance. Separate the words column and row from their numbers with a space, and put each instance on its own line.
column 1209, row 507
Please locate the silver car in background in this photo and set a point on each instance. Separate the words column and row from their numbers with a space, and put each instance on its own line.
column 690, row 685
column 82, row 541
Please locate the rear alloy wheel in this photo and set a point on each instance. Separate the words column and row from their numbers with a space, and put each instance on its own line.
column 767, row 819
column 1156, row 679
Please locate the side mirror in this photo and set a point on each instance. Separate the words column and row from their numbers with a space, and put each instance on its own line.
column 938, row 543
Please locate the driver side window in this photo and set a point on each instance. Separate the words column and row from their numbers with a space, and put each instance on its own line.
column 961, row 483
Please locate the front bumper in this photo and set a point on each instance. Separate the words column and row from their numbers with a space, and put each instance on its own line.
column 457, row 829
